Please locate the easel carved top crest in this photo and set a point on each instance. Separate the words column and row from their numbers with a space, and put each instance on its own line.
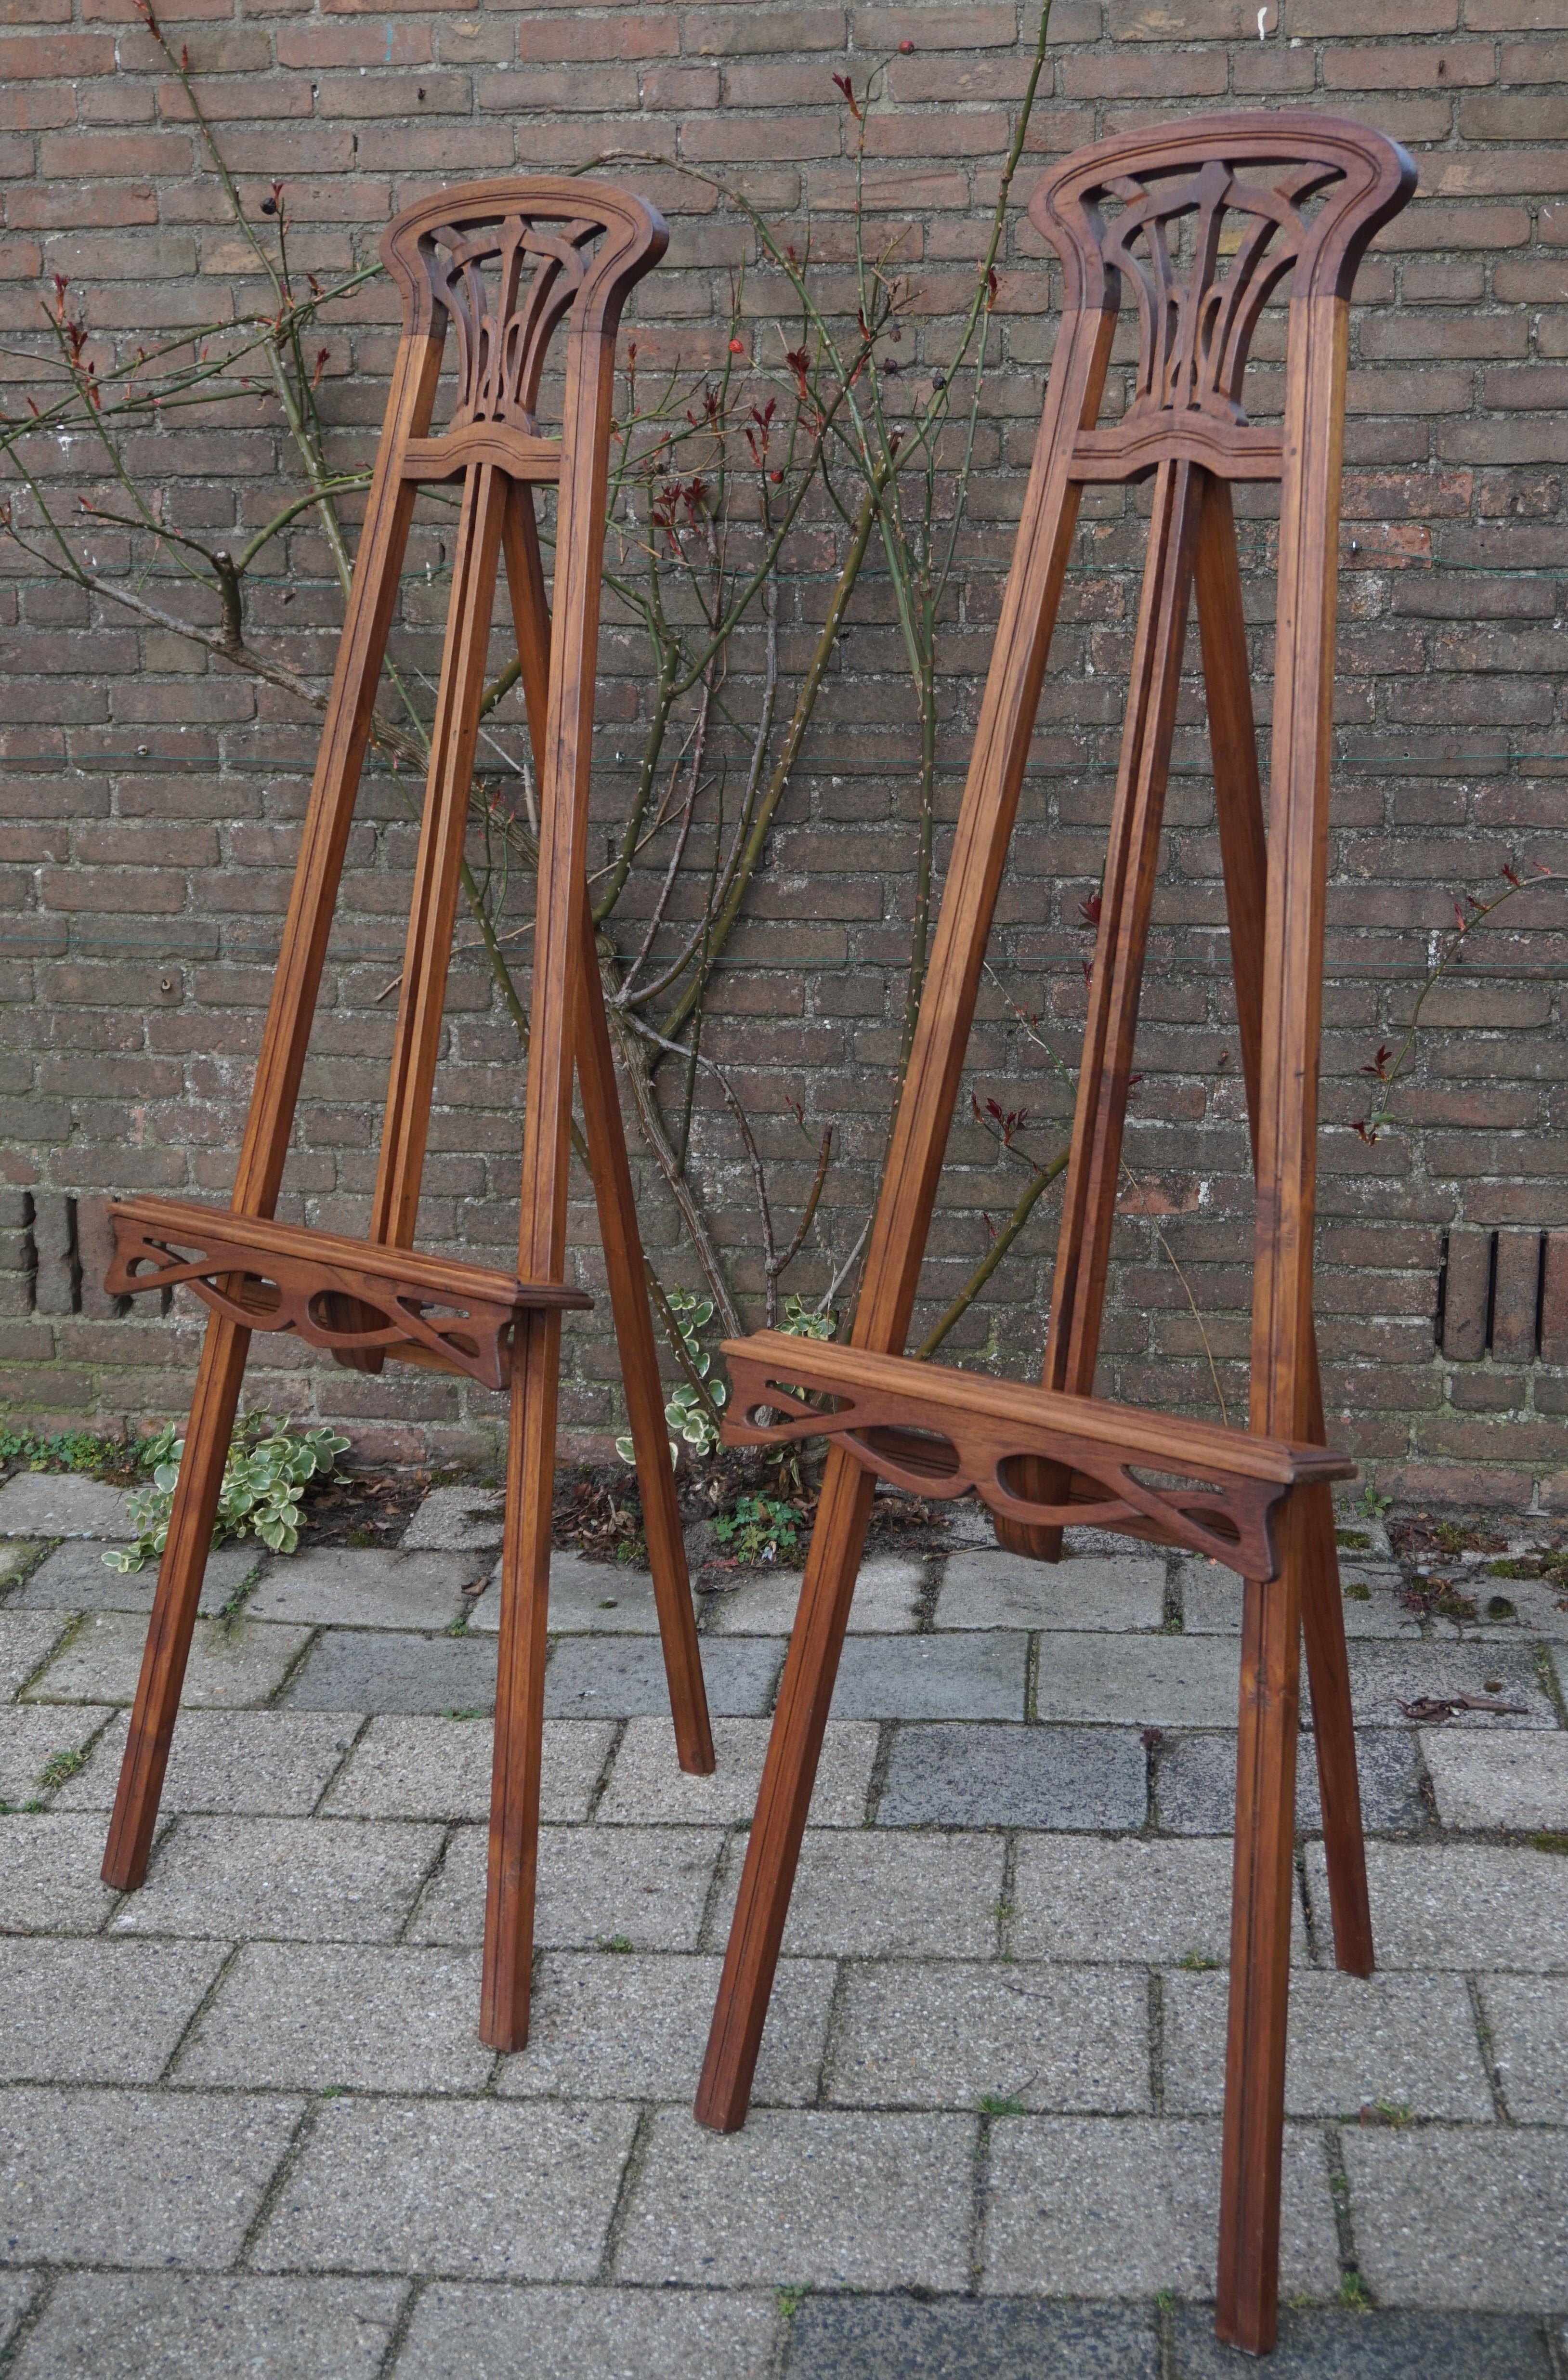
column 1297, row 194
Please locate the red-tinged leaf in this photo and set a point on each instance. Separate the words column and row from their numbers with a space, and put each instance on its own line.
column 991, row 289
column 1088, row 971
column 1459, row 913
column 1513, row 877
column 1380, row 1065
column 847, row 88
column 1221, row 1061
column 1133, row 1082
column 1089, row 909
column 974, row 1106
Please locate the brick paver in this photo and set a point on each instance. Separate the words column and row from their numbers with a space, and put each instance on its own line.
column 249, row 2127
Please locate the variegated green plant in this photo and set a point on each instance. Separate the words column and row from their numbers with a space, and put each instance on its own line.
column 269, row 1465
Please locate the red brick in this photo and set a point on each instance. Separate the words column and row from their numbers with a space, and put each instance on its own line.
column 1554, row 1299
column 316, row 46
column 50, row 54
column 974, row 27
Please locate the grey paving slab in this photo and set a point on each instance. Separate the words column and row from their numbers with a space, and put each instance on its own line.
column 26, row 1640
column 1104, row 2206
column 233, row 1663
column 76, row 1577
column 432, row 1768
column 365, row 1669
column 137, row 2177
column 647, row 1885
column 49, row 1879
column 17, row 1556
column 465, row 2188
column 33, row 1734
column 1195, row 1782
column 479, row 2331
column 932, row 1676
column 1212, row 1599
column 1149, row 1901
column 1462, row 2219
column 98, row 2011
column 456, row 1519
column 1138, row 1680
column 178, row 2326
column 1111, row 1592
column 838, row 2201
column 625, row 1678
column 312, row 2017
column 17, row 2292
column 1317, row 2344
column 607, row 2024
column 345, row 1587
column 874, row 1895
column 62, row 1504
column 946, row 2034
column 239, row 1764
column 1499, row 1781
column 1539, row 1603
column 1383, row 1677
column 844, row 2338
column 1462, row 1905
column 1408, row 2040
column 1529, row 2017
column 888, row 1590
column 647, row 1782
column 285, row 1879
column 585, row 1599
column 953, row 1774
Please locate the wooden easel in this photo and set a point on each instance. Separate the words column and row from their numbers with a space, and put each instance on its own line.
column 1294, row 193
column 503, row 263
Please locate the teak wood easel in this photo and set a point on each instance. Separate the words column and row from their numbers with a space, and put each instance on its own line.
column 503, row 263
column 1271, row 194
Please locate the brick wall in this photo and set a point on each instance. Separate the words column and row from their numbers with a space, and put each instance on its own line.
column 151, row 800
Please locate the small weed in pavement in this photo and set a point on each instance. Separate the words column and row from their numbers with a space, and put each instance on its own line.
column 1393, row 2113
column 998, row 2103
column 59, row 1768
column 1197, row 1962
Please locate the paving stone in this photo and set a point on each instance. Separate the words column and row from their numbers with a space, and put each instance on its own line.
column 888, row 1590
column 297, row 2016
column 237, row 1763
column 1462, row 2219
column 947, row 2034
column 844, row 2338
column 343, row 1587
column 17, row 1556
column 647, row 1883
column 1155, row 1902
column 26, row 1638
column 456, row 1519
column 585, row 1599
column 440, row 1768
column 626, row 1679
column 1107, row 2206
column 76, row 1578
column 63, row 1504
column 1461, row 1905
column 1406, row 2039
column 1386, row 2344
column 1528, row 2016
column 233, row 1663
column 1539, row 1603
column 17, row 2292
column 174, row 2326
column 32, row 1733
column 1211, row 1601
column 838, row 2201
column 477, row 2332
column 49, row 1879
column 1196, row 1783
column 463, row 2188
column 609, row 2025
column 1505, row 1780
column 1382, row 1676
column 865, row 1895
column 955, row 1775
column 932, row 1676
column 1112, row 1591
column 285, row 1879
column 648, row 1783
column 350, row 1670
column 1138, row 1680
column 137, row 2177
column 98, row 2011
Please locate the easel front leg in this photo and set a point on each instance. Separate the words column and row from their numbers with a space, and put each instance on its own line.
column 1245, row 859
column 773, row 1849
column 180, row 1574
column 640, row 1368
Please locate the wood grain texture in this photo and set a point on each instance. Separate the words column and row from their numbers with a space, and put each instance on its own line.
column 1156, row 212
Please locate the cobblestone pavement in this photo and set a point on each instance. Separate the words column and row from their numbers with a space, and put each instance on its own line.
column 248, row 2127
